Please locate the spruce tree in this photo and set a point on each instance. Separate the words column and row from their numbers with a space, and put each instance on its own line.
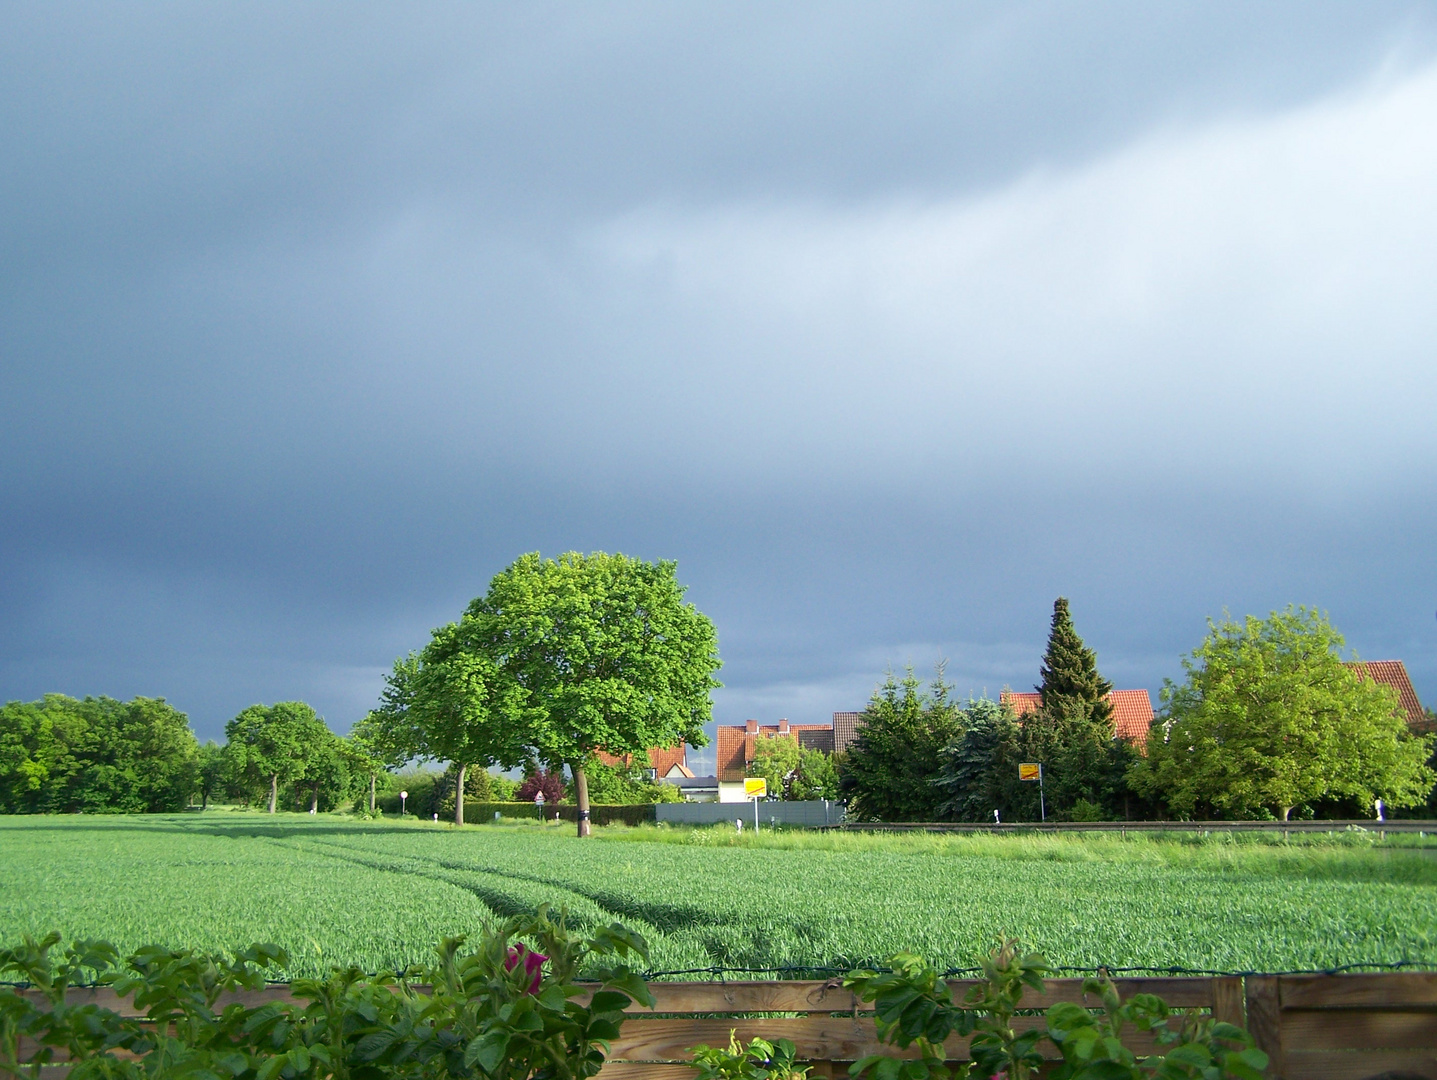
column 1071, row 688
column 1072, row 732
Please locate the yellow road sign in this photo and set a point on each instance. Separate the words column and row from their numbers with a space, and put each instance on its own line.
column 1029, row 770
column 755, row 787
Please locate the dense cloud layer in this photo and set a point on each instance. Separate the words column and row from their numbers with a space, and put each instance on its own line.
column 890, row 326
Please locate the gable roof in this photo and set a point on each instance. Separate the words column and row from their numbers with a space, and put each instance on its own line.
column 733, row 748
column 1132, row 711
column 1393, row 673
column 661, row 759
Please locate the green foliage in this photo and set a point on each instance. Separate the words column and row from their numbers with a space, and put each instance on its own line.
column 270, row 745
column 605, row 652
column 621, row 785
column 759, row 1060
column 775, row 758
column 794, row 772
column 815, row 778
column 99, row 755
column 1198, row 1048
column 890, row 766
column 1071, row 682
column 505, row 1010
column 558, row 660
column 212, row 775
column 1270, row 718
column 914, row 1007
column 1072, row 732
column 978, row 770
column 376, row 747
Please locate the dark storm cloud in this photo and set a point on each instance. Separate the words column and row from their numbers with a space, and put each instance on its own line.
column 889, row 324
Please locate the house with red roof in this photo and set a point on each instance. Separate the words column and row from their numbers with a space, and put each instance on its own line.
column 663, row 761
column 1132, row 711
column 733, row 748
column 1393, row 673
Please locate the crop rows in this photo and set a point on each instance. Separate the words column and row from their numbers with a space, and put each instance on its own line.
column 379, row 895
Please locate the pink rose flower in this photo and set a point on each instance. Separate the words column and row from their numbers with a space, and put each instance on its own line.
column 533, row 965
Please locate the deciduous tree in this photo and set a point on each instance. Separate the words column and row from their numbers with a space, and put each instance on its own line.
column 271, row 745
column 607, row 654
column 454, row 702
column 379, row 747
column 62, row 755
column 1270, row 718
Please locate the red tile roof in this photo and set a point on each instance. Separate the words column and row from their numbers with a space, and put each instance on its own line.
column 661, row 759
column 733, row 748
column 1132, row 711
column 1393, row 673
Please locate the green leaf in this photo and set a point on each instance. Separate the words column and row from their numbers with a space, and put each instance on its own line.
column 487, row 1051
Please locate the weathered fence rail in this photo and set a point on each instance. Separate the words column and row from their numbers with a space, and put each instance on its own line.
column 1313, row 1027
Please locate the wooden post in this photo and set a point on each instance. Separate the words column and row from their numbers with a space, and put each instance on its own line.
column 1227, row 1004
column 1264, row 1021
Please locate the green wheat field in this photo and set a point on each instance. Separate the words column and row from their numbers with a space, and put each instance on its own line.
column 336, row 891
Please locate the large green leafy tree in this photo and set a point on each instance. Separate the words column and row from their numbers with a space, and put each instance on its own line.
column 1269, row 718
column 889, row 770
column 334, row 769
column 454, row 702
column 270, row 745
column 607, row 656
column 60, row 755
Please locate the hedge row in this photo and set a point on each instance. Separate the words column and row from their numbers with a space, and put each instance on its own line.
column 476, row 813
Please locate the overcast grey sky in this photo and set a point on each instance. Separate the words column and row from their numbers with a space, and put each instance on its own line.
column 889, row 322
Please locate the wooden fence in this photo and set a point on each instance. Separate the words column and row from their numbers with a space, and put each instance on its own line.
column 1314, row 1027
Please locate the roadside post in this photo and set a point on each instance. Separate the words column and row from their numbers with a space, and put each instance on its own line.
column 1033, row 770
column 403, row 798
column 755, row 788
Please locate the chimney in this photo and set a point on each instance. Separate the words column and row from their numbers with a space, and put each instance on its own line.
column 751, row 727
column 783, row 726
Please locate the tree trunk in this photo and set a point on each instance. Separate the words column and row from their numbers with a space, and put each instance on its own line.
column 581, row 788
column 273, row 791
column 459, row 796
column 314, row 800
column 205, row 799
column 1285, row 811
column 371, row 793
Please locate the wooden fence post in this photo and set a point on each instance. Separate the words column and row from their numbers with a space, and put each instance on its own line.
column 1264, row 1021
column 1227, row 1000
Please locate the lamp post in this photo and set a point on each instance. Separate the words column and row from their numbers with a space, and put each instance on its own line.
column 403, row 796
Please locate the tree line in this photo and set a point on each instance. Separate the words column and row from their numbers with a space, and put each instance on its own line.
column 1267, row 722
column 560, row 661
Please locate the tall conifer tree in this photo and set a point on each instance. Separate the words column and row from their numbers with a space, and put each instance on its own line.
column 1071, row 686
